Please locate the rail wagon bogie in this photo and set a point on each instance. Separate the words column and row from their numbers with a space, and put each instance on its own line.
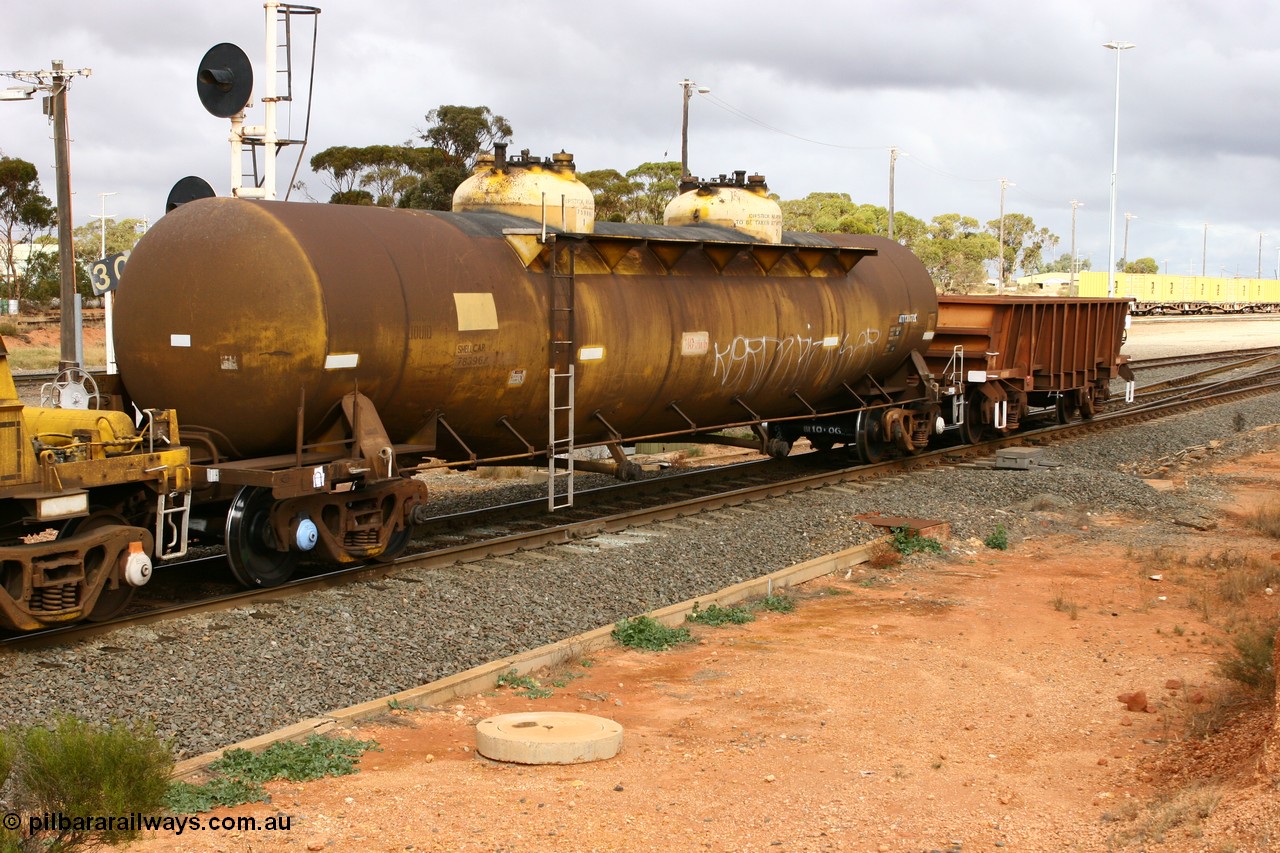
column 1002, row 359
column 87, row 500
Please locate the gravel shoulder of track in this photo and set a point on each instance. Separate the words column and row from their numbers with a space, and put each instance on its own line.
column 208, row 681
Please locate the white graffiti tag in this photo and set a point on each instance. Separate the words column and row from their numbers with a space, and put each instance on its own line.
column 749, row 363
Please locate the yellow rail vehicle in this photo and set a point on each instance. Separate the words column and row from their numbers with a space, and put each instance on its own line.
column 86, row 500
column 1185, row 294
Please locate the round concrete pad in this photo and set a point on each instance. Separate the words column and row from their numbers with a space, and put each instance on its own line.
column 550, row 737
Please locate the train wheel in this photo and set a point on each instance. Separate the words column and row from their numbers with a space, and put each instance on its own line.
column 1087, row 407
column 1067, row 406
column 869, row 443
column 251, row 543
column 395, row 546
column 972, row 431
column 111, row 602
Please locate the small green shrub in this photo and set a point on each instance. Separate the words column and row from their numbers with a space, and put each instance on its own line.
column 998, row 540
column 8, row 752
column 715, row 616
column 1251, row 662
column 10, row 329
column 1155, row 823
column 512, row 679
column 78, row 768
column 778, row 603
column 314, row 758
column 908, row 542
column 645, row 632
column 1266, row 519
column 524, row 685
column 241, row 773
column 188, row 798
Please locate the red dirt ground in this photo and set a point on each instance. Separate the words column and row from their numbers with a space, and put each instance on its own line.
column 967, row 702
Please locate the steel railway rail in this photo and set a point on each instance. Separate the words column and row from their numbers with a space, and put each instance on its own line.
column 1139, row 364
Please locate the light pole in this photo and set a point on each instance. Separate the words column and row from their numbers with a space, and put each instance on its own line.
column 55, row 81
column 1117, row 46
column 689, row 87
column 1128, row 217
column 107, row 298
column 894, row 154
column 1260, row 236
column 1072, row 286
column 1204, row 251
column 1004, row 183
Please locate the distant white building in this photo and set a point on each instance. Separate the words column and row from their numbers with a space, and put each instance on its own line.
column 1048, row 282
column 22, row 255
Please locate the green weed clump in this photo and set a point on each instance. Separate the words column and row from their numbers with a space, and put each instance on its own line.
column 524, row 685
column 241, row 774
column 778, row 603
column 908, row 542
column 645, row 632
column 1180, row 811
column 76, row 768
column 715, row 616
column 1250, row 664
column 189, row 798
column 998, row 540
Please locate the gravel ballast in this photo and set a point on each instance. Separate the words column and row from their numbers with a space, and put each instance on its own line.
column 208, row 681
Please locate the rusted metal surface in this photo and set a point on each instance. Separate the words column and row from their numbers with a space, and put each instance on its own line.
column 229, row 307
column 538, row 189
column 736, row 202
column 1045, row 343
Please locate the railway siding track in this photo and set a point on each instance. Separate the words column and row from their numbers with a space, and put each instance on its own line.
column 505, row 530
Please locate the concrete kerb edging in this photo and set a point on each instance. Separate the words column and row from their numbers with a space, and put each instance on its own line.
column 485, row 677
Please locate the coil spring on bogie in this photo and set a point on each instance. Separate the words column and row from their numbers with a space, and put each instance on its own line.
column 360, row 538
column 53, row 598
column 920, row 435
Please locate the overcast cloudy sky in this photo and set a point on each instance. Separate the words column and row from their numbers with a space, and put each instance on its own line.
column 811, row 94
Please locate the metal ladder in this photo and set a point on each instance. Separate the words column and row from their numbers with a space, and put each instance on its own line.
column 953, row 377
column 285, row 13
column 560, row 414
column 171, row 533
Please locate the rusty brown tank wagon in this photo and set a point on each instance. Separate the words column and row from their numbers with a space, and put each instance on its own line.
column 321, row 355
